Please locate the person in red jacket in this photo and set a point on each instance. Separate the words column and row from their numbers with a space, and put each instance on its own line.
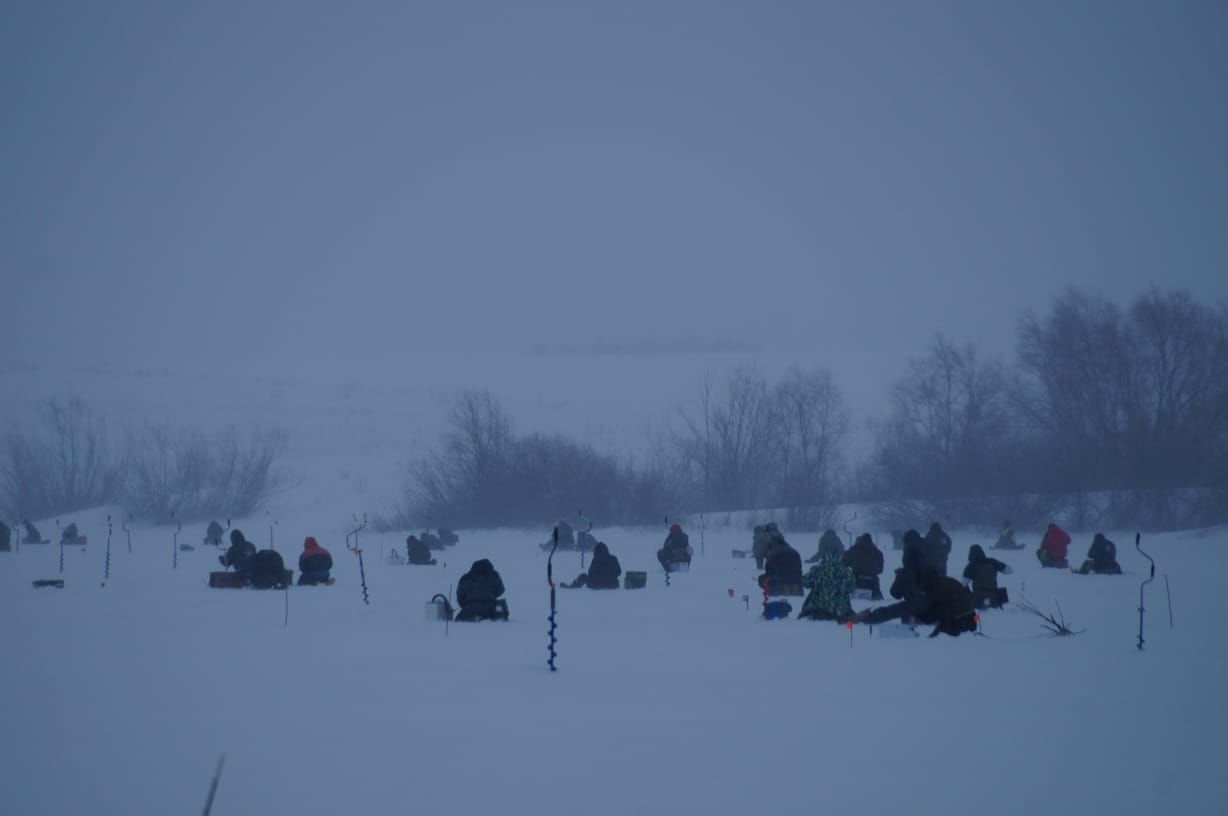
column 1052, row 552
column 314, row 564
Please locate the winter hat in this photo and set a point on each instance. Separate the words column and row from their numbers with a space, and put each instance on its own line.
column 675, row 528
column 310, row 545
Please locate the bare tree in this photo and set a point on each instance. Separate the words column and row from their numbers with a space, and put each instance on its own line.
column 950, row 419
column 67, row 463
column 197, row 475
column 813, row 423
column 484, row 476
column 731, row 447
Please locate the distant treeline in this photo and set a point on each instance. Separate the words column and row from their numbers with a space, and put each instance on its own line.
column 1105, row 416
column 70, row 460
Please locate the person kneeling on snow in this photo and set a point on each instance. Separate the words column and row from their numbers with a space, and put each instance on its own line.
column 1101, row 558
column 830, row 584
column 912, row 606
column 314, row 564
column 782, row 569
column 1052, row 552
column 981, row 575
column 213, row 534
column 829, row 542
column 866, row 562
column 1006, row 539
column 677, row 548
column 32, row 536
column 268, row 570
column 418, row 552
column 240, row 553
column 478, row 594
column 950, row 605
column 602, row 573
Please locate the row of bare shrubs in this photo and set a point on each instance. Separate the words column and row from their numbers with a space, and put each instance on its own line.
column 70, row 460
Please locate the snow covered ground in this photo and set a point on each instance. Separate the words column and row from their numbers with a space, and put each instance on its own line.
column 120, row 698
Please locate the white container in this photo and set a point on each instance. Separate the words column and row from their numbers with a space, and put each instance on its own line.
column 438, row 609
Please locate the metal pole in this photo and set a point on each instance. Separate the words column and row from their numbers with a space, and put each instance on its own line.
column 1168, row 591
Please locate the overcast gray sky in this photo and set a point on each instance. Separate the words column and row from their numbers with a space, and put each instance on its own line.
column 245, row 183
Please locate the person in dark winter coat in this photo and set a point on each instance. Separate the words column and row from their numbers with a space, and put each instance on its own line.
column 268, row 570
column 981, row 575
column 478, row 593
column 69, row 534
column 1101, row 557
column 32, row 536
column 677, row 548
column 213, row 534
column 950, row 605
column 911, row 604
column 782, row 568
column 829, row 542
column 866, row 562
column 602, row 573
column 417, row 551
column 1052, row 552
column 240, row 553
column 314, row 564
column 936, row 548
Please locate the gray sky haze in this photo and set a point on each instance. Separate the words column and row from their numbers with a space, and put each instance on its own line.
column 255, row 186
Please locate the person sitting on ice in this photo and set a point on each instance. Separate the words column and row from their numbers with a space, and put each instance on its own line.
column 417, row 551
column 782, row 569
column 240, row 553
column 267, row 570
column 1006, row 539
column 676, row 550
column 1052, row 552
column 602, row 573
column 830, row 583
column 1101, row 557
column 829, row 542
column 981, row 575
column 69, row 534
column 866, row 561
column 478, row 594
column 213, row 534
column 949, row 604
column 32, row 536
column 314, row 564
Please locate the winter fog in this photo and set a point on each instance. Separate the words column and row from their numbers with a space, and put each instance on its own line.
column 313, row 305
column 406, row 192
